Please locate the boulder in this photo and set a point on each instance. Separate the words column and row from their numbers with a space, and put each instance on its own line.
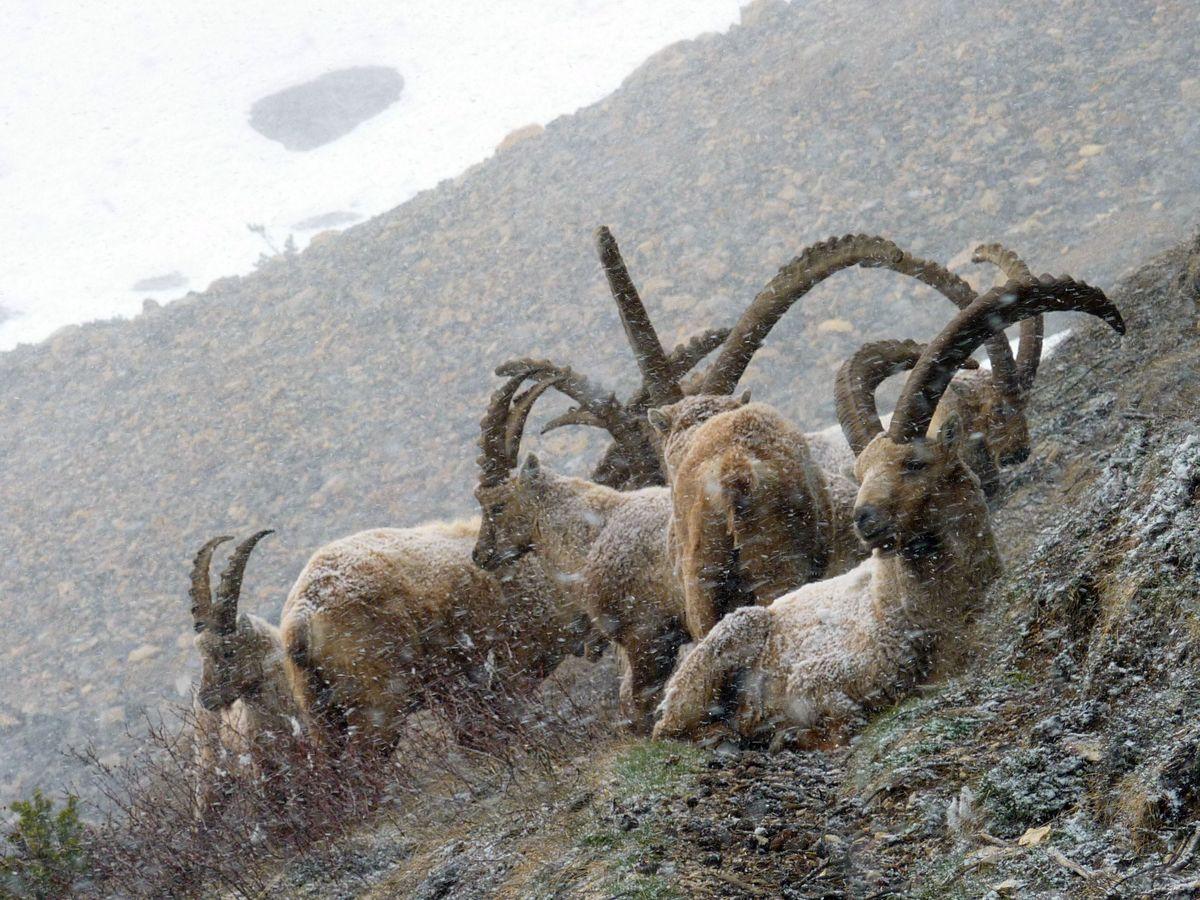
column 310, row 115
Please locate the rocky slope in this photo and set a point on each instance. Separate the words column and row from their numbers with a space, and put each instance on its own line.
column 341, row 388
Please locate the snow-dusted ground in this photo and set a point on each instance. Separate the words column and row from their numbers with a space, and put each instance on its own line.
column 125, row 153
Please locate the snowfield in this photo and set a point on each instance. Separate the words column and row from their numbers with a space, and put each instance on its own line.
column 126, row 157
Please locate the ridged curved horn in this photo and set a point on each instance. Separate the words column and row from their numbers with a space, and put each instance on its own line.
column 632, row 460
column 991, row 313
column 651, row 358
column 682, row 360
column 632, row 442
column 1004, row 259
column 685, row 357
column 522, row 406
column 595, row 400
column 857, row 380
column 814, row 265
column 230, row 587
column 494, row 462
column 859, row 377
column 573, row 416
column 1029, row 350
column 200, row 592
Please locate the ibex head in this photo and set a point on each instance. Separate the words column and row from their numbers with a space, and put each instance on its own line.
column 913, row 482
column 506, row 526
column 993, row 406
column 506, row 530
column 232, row 650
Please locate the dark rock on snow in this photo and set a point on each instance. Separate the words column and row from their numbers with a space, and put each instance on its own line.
column 307, row 116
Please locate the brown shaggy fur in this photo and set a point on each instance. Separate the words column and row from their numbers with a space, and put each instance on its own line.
column 379, row 622
column 752, row 515
column 610, row 547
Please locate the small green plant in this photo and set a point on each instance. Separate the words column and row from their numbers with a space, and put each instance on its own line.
column 46, row 854
column 653, row 767
column 641, row 771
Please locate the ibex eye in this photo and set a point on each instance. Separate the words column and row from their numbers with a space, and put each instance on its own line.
column 915, row 464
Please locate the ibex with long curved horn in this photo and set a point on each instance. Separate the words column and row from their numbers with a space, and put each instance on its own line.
column 817, row 658
column 609, row 545
column 245, row 703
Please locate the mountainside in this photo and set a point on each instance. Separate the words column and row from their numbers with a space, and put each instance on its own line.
column 341, row 388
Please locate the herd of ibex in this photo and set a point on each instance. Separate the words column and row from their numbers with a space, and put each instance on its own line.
column 814, row 573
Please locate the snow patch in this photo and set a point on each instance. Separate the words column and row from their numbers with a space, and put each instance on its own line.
column 126, row 149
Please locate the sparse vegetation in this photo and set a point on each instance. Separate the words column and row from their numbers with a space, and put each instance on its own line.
column 46, row 851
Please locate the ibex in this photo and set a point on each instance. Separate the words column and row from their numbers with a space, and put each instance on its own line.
column 245, row 704
column 609, row 545
column 818, row 657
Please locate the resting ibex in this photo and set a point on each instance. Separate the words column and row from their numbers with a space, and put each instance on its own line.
column 821, row 655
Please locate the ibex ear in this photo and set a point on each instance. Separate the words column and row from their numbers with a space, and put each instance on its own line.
column 530, row 470
column 950, row 435
column 745, row 398
column 660, row 420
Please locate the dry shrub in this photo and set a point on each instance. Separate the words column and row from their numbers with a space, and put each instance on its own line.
column 299, row 800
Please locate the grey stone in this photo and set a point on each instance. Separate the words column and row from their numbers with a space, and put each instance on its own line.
column 310, row 115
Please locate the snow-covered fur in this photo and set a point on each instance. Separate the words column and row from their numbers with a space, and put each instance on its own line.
column 608, row 545
column 753, row 517
column 818, row 657
column 831, row 452
column 378, row 622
